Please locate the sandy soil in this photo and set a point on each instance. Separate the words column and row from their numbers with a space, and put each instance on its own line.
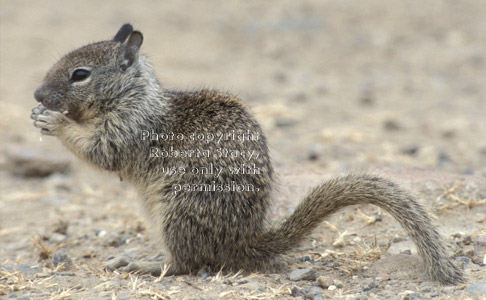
column 393, row 87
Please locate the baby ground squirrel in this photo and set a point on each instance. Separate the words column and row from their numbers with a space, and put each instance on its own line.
column 105, row 104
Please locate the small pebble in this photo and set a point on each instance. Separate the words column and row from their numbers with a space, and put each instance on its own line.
column 61, row 257
column 57, row 238
column 448, row 134
column 392, row 125
column 304, row 258
column 469, row 252
column 315, row 151
column 338, row 283
column 324, row 281
column 458, row 235
column 398, row 239
column 61, row 227
column 284, row 122
column 477, row 288
column 463, row 261
column 383, row 277
column 369, row 287
column 443, row 158
column 410, row 150
column 366, row 100
column 405, row 247
column 100, row 233
column 412, row 296
column 302, row 274
column 467, row 240
column 312, row 291
column 296, row 292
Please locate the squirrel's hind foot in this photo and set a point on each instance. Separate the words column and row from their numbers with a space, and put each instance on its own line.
column 154, row 268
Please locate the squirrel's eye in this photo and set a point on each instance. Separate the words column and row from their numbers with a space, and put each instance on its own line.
column 80, row 74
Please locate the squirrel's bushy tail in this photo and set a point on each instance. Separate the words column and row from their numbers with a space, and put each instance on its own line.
column 363, row 189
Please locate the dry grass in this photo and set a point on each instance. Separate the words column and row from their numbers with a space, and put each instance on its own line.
column 230, row 276
column 163, row 272
column 349, row 262
column 13, row 282
column 369, row 220
column 154, row 294
column 452, row 193
column 45, row 251
column 62, row 294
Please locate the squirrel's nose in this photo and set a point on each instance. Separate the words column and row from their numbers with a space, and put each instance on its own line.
column 40, row 94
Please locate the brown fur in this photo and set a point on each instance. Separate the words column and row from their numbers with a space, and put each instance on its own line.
column 105, row 116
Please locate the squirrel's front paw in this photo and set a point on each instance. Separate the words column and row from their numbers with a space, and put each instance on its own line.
column 49, row 121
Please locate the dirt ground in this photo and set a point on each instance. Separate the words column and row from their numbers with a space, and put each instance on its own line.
column 392, row 87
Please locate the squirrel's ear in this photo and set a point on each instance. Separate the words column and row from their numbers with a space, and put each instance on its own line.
column 130, row 50
column 123, row 33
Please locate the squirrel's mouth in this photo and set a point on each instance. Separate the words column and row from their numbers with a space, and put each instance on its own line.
column 51, row 105
column 42, row 96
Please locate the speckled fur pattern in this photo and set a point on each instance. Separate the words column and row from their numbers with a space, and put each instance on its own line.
column 102, row 120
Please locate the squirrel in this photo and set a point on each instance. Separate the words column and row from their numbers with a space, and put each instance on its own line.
column 105, row 104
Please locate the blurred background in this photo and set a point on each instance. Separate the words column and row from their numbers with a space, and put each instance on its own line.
column 338, row 85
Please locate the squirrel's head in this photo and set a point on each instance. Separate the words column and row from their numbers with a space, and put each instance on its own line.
column 91, row 78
